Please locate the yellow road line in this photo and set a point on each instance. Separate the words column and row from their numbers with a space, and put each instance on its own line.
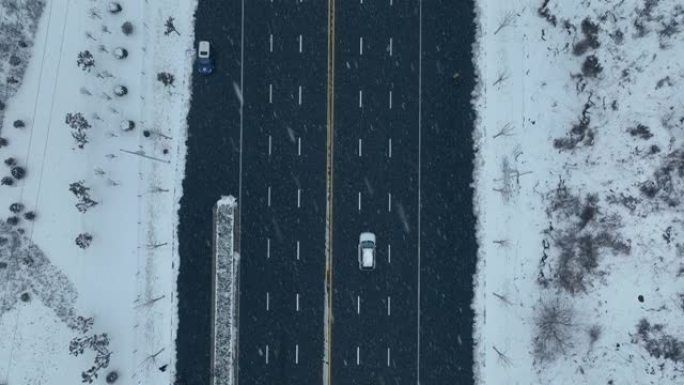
column 329, row 193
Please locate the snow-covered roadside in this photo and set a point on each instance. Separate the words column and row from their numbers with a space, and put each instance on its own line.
column 125, row 279
column 579, row 184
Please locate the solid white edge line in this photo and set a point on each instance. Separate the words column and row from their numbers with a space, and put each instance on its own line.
column 420, row 112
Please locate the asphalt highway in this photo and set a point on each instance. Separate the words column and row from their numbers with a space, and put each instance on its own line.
column 402, row 169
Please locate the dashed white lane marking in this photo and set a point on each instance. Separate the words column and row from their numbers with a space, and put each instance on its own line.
column 388, row 356
column 358, row 304
column 390, row 99
column 297, row 354
column 268, row 248
column 299, row 198
column 391, row 2
column 390, row 47
column 360, row 98
column 270, row 93
column 266, row 354
column 270, row 43
column 300, row 43
column 299, row 146
column 268, row 301
column 361, row 46
column 358, row 355
column 389, row 305
column 389, row 202
column 297, row 300
column 359, row 200
column 360, row 149
column 298, row 250
column 270, row 144
column 389, row 152
column 269, row 196
column 389, row 254
column 300, row 95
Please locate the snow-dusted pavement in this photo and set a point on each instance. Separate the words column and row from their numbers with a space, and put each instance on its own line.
column 125, row 280
column 579, row 185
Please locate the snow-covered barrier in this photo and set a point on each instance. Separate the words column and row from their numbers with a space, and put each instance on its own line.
column 225, row 267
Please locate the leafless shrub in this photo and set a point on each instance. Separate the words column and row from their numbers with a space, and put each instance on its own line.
column 590, row 31
column 544, row 12
column 581, row 132
column 641, row 131
column 658, row 343
column 505, row 21
column 594, row 333
column 554, row 324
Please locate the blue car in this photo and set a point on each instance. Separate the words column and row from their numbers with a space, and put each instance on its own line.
column 204, row 63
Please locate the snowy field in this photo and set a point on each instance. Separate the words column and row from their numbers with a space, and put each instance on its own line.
column 94, row 104
column 580, row 192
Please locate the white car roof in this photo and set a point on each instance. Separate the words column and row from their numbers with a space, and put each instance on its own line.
column 203, row 47
column 367, row 258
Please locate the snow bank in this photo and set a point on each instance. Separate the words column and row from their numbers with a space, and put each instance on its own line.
column 224, row 326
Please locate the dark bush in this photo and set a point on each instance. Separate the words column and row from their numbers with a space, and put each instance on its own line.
column 641, row 131
column 30, row 215
column 591, row 67
column 127, row 28
column 3, row 142
column 18, row 172
column 112, row 377
column 19, row 124
column 14, row 60
column 83, row 240
column 6, row 181
column 16, row 207
column 10, row 162
column 25, row 297
column 13, row 220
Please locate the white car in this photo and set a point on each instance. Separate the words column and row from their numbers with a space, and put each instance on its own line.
column 367, row 251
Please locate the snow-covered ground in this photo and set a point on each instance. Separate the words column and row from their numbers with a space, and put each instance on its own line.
column 580, row 192
column 56, row 297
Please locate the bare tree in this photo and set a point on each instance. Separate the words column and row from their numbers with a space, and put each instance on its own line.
column 170, row 27
column 505, row 21
column 554, row 330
